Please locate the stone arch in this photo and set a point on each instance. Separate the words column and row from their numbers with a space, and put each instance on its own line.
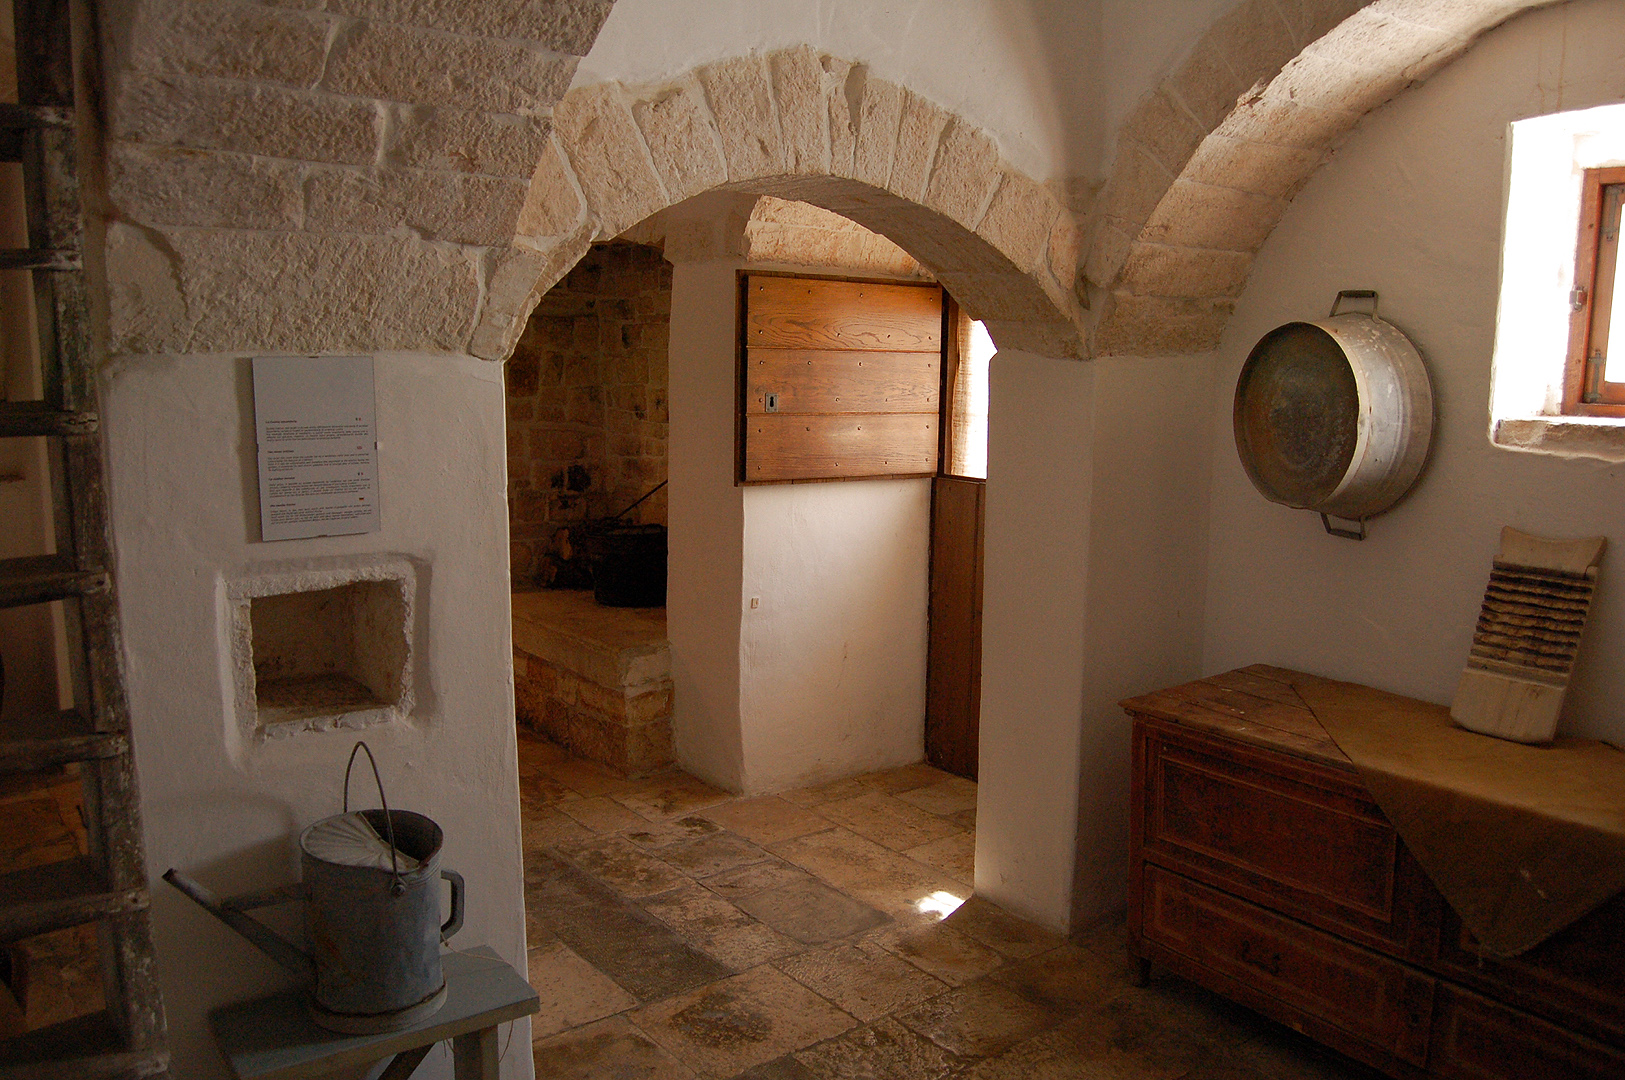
column 801, row 125
column 1210, row 159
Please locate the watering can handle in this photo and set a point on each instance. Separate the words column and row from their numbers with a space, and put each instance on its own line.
column 396, row 885
column 455, row 923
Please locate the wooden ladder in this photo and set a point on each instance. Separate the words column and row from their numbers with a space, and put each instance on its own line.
column 107, row 886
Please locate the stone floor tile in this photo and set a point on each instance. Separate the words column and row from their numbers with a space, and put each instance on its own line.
column 823, row 793
column 536, row 932
column 1000, row 930
column 944, row 798
column 718, row 928
column 535, row 750
column 657, row 834
column 545, row 826
column 622, row 866
column 954, row 855
column 1068, row 1052
column 540, row 791
column 755, row 878
column 939, row 950
column 1162, row 1031
column 611, row 1049
column 811, row 912
column 600, row 814
column 862, row 979
column 735, row 1024
column 584, row 777
column 766, row 820
column 903, row 778
column 1065, row 979
column 965, row 819
column 713, row 854
column 883, row 1051
column 887, row 821
column 670, row 795
column 781, row 1068
column 572, row 991
column 978, row 1020
column 645, row 956
column 884, row 879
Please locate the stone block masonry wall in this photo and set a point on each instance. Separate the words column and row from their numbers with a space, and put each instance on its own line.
column 587, row 411
column 320, row 176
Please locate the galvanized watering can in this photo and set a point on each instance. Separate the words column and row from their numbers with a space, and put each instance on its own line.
column 370, row 882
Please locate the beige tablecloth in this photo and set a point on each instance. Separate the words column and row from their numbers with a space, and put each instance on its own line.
column 1522, row 840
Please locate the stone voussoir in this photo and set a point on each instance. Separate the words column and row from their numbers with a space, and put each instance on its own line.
column 918, row 134
column 740, row 96
column 513, row 286
column 965, row 174
column 682, row 140
column 607, row 154
column 798, row 89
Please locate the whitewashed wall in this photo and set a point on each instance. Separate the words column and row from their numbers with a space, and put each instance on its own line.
column 1412, row 207
column 183, row 485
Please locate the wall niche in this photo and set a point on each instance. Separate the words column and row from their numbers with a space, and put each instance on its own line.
column 319, row 649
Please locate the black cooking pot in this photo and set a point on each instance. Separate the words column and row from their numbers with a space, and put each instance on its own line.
column 629, row 566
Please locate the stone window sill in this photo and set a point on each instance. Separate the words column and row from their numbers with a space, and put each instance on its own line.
column 1598, row 437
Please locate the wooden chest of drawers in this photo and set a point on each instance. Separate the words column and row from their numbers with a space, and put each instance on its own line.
column 1262, row 869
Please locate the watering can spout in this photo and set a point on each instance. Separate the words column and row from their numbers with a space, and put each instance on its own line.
column 261, row 936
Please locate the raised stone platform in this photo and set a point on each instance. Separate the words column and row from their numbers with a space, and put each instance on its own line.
column 594, row 679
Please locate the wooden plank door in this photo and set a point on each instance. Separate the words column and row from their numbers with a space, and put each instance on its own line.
column 953, row 694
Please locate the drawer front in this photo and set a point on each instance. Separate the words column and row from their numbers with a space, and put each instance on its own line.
column 1372, row 997
column 1478, row 1039
column 1576, row 977
column 1296, row 836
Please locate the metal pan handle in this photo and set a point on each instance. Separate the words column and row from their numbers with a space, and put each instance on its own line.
column 1355, row 294
column 1347, row 534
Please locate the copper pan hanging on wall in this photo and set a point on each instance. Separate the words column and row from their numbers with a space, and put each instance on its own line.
column 1335, row 416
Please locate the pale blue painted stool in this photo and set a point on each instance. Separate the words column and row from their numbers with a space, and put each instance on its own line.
column 273, row 1038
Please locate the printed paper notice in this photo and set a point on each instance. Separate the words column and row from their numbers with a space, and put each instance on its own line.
column 318, row 441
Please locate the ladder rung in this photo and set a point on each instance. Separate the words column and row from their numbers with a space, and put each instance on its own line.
column 57, row 895
column 41, row 578
column 23, row 418
column 34, row 116
column 39, row 259
column 84, row 1047
column 41, row 742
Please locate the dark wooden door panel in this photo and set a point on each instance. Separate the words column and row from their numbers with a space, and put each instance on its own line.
column 1371, row 996
column 953, row 696
column 821, row 381
column 815, row 313
column 822, row 447
column 1478, row 1039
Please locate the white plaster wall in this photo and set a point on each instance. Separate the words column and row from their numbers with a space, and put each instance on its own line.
column 833, row 658
column 1022, row 69
column 181, row 447
column 1411, row 206
column 1035, row 572
column 1147, row 559
column 705, row 519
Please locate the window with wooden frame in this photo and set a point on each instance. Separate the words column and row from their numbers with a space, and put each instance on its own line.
column 964, row 396
column 1594, row 378
column 839, row 379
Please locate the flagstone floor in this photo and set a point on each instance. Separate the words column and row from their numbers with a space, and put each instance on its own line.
column 677, row 932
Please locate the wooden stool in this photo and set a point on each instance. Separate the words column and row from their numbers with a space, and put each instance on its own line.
column 274, row 1038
